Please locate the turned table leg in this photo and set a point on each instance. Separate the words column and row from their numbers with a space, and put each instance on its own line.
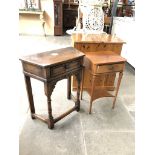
column 48, row 88
column 82, row 82
column 69, row 87
column 78, row 78
column 29, row 94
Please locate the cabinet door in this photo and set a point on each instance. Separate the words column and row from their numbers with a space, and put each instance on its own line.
column 69, row 18
column 58, row 29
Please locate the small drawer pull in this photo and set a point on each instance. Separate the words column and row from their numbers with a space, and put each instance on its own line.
column 65, row 66
column 111, row 67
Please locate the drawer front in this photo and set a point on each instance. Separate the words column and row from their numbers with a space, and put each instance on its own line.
column 110, row 68
column 57, row 70
column 72, row 65
column 64, row 68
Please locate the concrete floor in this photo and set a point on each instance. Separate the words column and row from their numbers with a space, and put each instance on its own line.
column 105, row 132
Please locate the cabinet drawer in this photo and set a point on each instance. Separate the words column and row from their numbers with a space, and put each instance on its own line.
column 110, row 68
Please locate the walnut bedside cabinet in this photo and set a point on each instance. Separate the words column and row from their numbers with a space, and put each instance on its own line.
column 50, row 67
column 99, row 65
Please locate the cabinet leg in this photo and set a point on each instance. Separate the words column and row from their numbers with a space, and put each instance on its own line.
column 117, row 88
column 92, row 92
column 29, row 94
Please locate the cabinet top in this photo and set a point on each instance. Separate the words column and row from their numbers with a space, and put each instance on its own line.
column 95, row 38
column 99, row 58
column 53, row 57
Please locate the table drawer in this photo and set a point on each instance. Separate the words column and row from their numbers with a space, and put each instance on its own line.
column 110, row 68
column 63, row 68
column 73, row 65
column 57, row 70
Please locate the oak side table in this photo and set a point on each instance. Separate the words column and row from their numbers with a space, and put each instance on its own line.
column 50, row 67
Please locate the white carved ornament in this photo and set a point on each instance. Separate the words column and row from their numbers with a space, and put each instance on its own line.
column 92, row 16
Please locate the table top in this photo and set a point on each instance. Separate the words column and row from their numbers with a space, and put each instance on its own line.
column 95, row 38
column 100, row 58
column 53, row 57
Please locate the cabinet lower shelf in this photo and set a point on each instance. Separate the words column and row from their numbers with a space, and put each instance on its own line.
column 99, row 93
